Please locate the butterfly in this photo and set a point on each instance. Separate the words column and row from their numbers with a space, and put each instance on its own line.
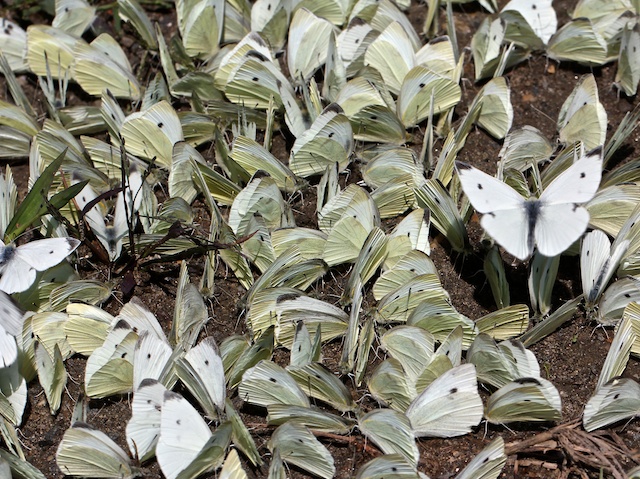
column 18, row 264
column 552, row 222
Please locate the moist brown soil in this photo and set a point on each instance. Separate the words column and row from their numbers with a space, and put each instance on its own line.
column 571, row 357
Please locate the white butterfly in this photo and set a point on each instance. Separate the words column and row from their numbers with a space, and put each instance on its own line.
column 450, row 406
column 552, row 222
column 18, row 264
column 540, row 16
column 112, row 236
column 599, row 260
column 183, row 435
column 143, row 429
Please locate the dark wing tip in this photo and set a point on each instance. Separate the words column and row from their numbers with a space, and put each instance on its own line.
column 443, row 38
column 334, row 107
column 597, row 151
column 73, row 243
column 147, row 382
column 357, row 21
column 527, row 381
column 170, row 395
column 122, row 324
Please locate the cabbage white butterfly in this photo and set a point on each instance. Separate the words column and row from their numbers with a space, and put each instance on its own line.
column 152, row 133
column 109, row 369
column 592, row 47
column 52, row 44
column 13, row 394
column 18, row 264
column 103, row 65
column 616, row 298
column 582, row 116
column 628, row 74
column 540, row 16
column 51, row 374
column 449, row 407
column 202, row 372
column 183, row 435
column 85, row 451
column 308, row 44
column 391, row 431
column 267, row 383
column 486, row 46
column 112, row 236
column 524, row 399
column 73, row 16
column 201, row 26
column 389, row 465
column 143, row 429
column 599, row 260
column 552, row 222
column 615, row 401
column 488, row 464
column 298, row 446
column 151, row 357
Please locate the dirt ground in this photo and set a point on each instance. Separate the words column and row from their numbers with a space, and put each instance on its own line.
column 571, row 358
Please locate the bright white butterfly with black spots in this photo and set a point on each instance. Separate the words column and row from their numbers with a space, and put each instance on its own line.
column 183, row 435
column 551, row 223
column 18, row 264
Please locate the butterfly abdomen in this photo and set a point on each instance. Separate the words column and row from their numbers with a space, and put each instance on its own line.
column 532, row 208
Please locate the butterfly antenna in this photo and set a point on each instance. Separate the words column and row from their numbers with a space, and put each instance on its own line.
column 600, row 326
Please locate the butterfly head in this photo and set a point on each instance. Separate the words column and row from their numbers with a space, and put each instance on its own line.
column 7, row 253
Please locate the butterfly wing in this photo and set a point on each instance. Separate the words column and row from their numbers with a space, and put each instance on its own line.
column 450, row 406
column 8, row 348
column 561, row 221
column 15, row 274
column 183, row 434
column 510, row 228
column 150, row 358
column 595, row 251
column 506, row 212
column 486, row 193
column 143, row 429
column 45, row 253
column 12, row 317
column 540, row 15
column 578, row 183
column 558, row 226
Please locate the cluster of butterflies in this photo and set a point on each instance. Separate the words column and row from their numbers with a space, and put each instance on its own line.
column 378, row 82
column 599, row 32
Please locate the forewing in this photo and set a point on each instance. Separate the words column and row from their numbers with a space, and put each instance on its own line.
column 486, row 193
column 578, row 183
column 45, row 253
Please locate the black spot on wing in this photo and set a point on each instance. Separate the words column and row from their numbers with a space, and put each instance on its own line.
column 528, row 381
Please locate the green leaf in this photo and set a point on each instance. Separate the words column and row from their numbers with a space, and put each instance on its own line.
column 35, row 205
